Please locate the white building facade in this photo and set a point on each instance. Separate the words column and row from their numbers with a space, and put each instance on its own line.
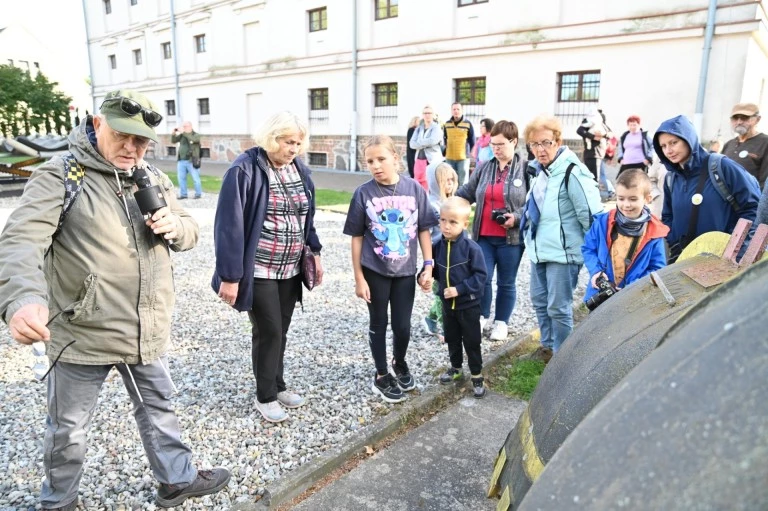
column 368, row 67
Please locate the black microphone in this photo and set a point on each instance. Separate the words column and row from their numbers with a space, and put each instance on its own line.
column 149, row 197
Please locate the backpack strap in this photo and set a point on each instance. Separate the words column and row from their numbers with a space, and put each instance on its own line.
column 715, row 175
column 568, row 174
column 74, row 176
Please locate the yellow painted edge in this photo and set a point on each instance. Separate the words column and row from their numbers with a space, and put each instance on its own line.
column 506, row 499
column 501, row 459
column 532, row 464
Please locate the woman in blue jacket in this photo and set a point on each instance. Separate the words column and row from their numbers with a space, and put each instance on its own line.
column 259, row 240
column 678, row 147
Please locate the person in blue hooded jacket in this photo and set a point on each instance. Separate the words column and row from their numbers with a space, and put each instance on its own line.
column 678, row 147
column 558, row 213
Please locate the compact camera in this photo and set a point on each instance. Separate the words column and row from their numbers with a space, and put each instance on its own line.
column 498, row 216
column 606, row 289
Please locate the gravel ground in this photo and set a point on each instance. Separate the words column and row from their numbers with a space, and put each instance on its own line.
column 327, row 360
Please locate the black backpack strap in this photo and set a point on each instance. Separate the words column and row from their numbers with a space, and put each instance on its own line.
column 715, row 175
column 568, row 174
column 74, row 176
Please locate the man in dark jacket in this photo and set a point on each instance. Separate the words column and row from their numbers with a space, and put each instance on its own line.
column 678, row 147
column 750, row 147
column 189, row 155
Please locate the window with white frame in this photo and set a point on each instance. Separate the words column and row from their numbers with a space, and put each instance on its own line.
column 318, row 105
column 203, row 106
column 170, row 107
column 137, row 57
column 470, row 93
column 385, row 102
column 200, row 43
column 107, row 6
column 577, row 93
column 112, row 61
column 166, row 49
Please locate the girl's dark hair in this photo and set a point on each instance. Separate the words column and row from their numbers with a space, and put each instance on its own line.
column 506, row 128
column 487, row 123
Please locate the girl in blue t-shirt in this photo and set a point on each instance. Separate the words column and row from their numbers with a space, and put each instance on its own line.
column 386, row 216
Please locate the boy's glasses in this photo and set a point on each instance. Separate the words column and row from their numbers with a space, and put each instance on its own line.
column 131, row 107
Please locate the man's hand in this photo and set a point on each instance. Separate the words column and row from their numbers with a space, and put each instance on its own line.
column 165, row 223
column 28, row 324
column 596, row 276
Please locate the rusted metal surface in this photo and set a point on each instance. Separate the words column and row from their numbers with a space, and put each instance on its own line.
column 712, row 272
column 737, row 240
column 756, row 246
column 658, row 282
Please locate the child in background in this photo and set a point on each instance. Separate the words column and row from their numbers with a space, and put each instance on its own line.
column 626, row 243
column 443, row 182
column 460, row 272
column 386, row 216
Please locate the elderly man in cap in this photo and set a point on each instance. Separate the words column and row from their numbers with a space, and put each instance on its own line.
column 750, row 147
column 96, row 287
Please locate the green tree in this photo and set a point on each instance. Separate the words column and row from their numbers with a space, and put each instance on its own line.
column 28, row 104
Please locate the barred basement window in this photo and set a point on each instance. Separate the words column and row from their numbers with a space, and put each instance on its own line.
column 170, row 150
column 205, row 152
column 318, row 99
column 577, row 93
column 318, row 159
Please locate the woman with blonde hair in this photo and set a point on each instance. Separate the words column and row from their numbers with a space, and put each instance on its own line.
column 426, row 141
column 264, row 221
column 558, row 213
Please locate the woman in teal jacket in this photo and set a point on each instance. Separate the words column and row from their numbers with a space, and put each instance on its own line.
column 558, row 212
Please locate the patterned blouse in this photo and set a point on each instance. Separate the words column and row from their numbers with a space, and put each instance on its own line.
column 280, row 245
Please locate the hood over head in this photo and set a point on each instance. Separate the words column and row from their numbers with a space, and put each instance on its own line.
column 682, row 128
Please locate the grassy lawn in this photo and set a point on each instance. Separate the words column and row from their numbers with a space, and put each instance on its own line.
column 517, row 378
column 322, row 197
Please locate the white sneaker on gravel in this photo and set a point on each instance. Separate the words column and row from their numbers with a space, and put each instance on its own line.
column 485, row 324
column 290, row 399
column 499, row 332
column 272, row 411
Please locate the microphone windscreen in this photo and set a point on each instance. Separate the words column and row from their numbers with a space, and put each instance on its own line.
column 141, row 178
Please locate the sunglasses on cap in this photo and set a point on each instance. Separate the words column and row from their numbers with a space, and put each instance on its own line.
column 131, row 107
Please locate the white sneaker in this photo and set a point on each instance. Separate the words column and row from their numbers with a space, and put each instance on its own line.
column 290, row 399
column 485, row 324
column 272, row 411
column 499, row 332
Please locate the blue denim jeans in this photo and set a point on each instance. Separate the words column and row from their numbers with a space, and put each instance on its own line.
column 607, row 189
column 552, row 286
column 506, row 260
column 182, row 168
column 462, row 169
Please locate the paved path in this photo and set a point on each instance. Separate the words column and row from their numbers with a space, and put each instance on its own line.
column 445, row 464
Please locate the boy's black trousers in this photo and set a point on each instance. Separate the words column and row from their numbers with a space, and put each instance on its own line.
column 462, row 327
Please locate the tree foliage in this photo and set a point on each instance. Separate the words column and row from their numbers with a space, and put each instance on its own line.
column 30, row 104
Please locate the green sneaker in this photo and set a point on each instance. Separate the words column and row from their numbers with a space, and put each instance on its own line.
column 452, row 375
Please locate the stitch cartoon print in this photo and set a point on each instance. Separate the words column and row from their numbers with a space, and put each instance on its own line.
column 393, row 224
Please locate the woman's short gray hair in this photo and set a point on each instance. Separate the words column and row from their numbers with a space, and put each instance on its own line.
column 280, row 125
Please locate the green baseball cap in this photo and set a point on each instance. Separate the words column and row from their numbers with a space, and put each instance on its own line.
column 131, row 112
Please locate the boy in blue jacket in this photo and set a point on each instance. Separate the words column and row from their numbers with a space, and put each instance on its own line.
column 678, row 147
column 626, row 243
column 460, row 272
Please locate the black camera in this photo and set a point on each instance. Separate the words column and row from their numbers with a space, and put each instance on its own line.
column 606, row 289
column 498, row 216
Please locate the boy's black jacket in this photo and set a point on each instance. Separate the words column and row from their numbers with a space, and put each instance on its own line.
column 459, row 264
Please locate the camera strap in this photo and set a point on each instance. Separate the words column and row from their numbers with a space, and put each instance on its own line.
column 632, row 247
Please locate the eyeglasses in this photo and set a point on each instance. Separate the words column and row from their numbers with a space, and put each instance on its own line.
column 429, row 113
column 544, row 144
column 131, row 107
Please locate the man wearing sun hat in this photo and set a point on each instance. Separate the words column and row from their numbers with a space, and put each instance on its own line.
column 750, row 147
column 96, row 287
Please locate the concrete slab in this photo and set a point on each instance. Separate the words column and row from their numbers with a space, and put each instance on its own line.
column 445, row 464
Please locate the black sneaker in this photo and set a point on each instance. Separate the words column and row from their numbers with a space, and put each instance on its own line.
column 207, row 482
column 404, row 379
column 387, row 387
column 452, row 375
column 478, row 387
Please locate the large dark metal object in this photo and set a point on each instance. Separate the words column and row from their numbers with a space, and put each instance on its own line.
column 687, row 428
column 598, row 354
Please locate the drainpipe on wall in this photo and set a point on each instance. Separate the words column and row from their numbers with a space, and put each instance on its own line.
column 175, row 63
column 90, row 63
column 708, row 34
column 353, row 124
